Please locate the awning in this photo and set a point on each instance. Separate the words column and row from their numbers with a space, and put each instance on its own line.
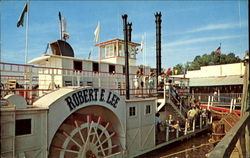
column 38, row 60
column 216, row 81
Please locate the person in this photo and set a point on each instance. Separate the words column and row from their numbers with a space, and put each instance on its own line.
column 176, row 126
column 136, row 81
column 151, row 82
column 168, row 84
column 142, row 81
column 161, row 80
column 157, row 121
column 170, row 119
column 146, row 80
column 191, row 116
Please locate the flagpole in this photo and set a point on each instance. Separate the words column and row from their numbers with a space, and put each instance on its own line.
column 99, row 37
column 145, row 47
column 26, row 34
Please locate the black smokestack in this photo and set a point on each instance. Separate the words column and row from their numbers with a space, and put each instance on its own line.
column 125, row 30
column 158, row 44
column 129, row 31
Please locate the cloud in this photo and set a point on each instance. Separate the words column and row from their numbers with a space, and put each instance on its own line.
column 216, row 27
column 198, row 40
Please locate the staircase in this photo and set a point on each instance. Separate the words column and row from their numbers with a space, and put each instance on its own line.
column 173, row 105
column 180, row 113
column 170, row 110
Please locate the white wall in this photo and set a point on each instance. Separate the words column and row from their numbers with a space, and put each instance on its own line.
column 31, row 145
column 216, row 70
column 141, row 127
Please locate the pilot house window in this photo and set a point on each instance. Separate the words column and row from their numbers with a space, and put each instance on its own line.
column 23, row 127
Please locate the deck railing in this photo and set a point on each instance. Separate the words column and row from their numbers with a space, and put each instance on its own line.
column 35, row 81
column 238, row 136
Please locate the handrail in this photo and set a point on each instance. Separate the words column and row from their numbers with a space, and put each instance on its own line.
column 225, row 147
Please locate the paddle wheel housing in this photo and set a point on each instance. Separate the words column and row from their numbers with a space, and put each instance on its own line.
column 85, row 122
column 89, row 132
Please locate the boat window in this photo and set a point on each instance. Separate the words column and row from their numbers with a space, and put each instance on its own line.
column 123, row 69
column 111, row 68
column 121, row 50
column 109, row 51
column 102, row 52
column 132, row 111
column 95, row 67
column 89, row 83
column 148, row 109
column 68, row 83
column 81, row 83
column 23, row 127
column 78, row 65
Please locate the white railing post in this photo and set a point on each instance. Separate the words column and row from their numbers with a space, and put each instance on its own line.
column 234, row 104
column 201, row 121
column 211, row 119
column 231, row 105
column 177, row 131
column 186, row 127
column 167, row 132
column 78, row 78
column 209, row 101
column 164, row 93
column 52, row 80
column 212, row 101
column 193, row 124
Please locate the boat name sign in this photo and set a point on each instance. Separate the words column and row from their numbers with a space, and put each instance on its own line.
column 91, row 95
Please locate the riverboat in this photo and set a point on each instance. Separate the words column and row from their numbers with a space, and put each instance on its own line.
column 76, row 108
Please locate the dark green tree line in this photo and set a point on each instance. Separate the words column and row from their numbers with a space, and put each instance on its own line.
column 205, row 60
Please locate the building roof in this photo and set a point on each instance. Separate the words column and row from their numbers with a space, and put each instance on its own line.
column 115, row 40
column 216, row 81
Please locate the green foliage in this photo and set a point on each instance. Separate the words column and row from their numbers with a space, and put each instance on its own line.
column 207, row 59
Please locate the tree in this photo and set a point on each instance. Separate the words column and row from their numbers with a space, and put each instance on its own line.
column 178, row 69
column 213, row 58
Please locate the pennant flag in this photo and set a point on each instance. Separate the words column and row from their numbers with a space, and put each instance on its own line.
column 89, row 54
column 97, row 32
column 218, row 50
column 60, row 17
column 21, row 18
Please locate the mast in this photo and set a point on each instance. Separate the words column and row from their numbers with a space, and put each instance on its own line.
column 26, row 34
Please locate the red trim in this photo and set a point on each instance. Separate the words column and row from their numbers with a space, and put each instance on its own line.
column 115, row 40
column 220, row 109
column 116, row 57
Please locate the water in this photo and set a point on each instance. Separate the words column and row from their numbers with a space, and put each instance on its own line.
column 199, row 139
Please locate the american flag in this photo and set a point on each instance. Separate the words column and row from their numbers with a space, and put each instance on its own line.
column 218, row 50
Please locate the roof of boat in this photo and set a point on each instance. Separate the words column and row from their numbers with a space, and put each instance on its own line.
column 115, row 40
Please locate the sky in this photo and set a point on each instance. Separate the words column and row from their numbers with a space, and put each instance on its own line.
column 189, row 28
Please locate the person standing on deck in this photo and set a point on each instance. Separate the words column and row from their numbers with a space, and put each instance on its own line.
column 136, row 81
column 151, row 82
